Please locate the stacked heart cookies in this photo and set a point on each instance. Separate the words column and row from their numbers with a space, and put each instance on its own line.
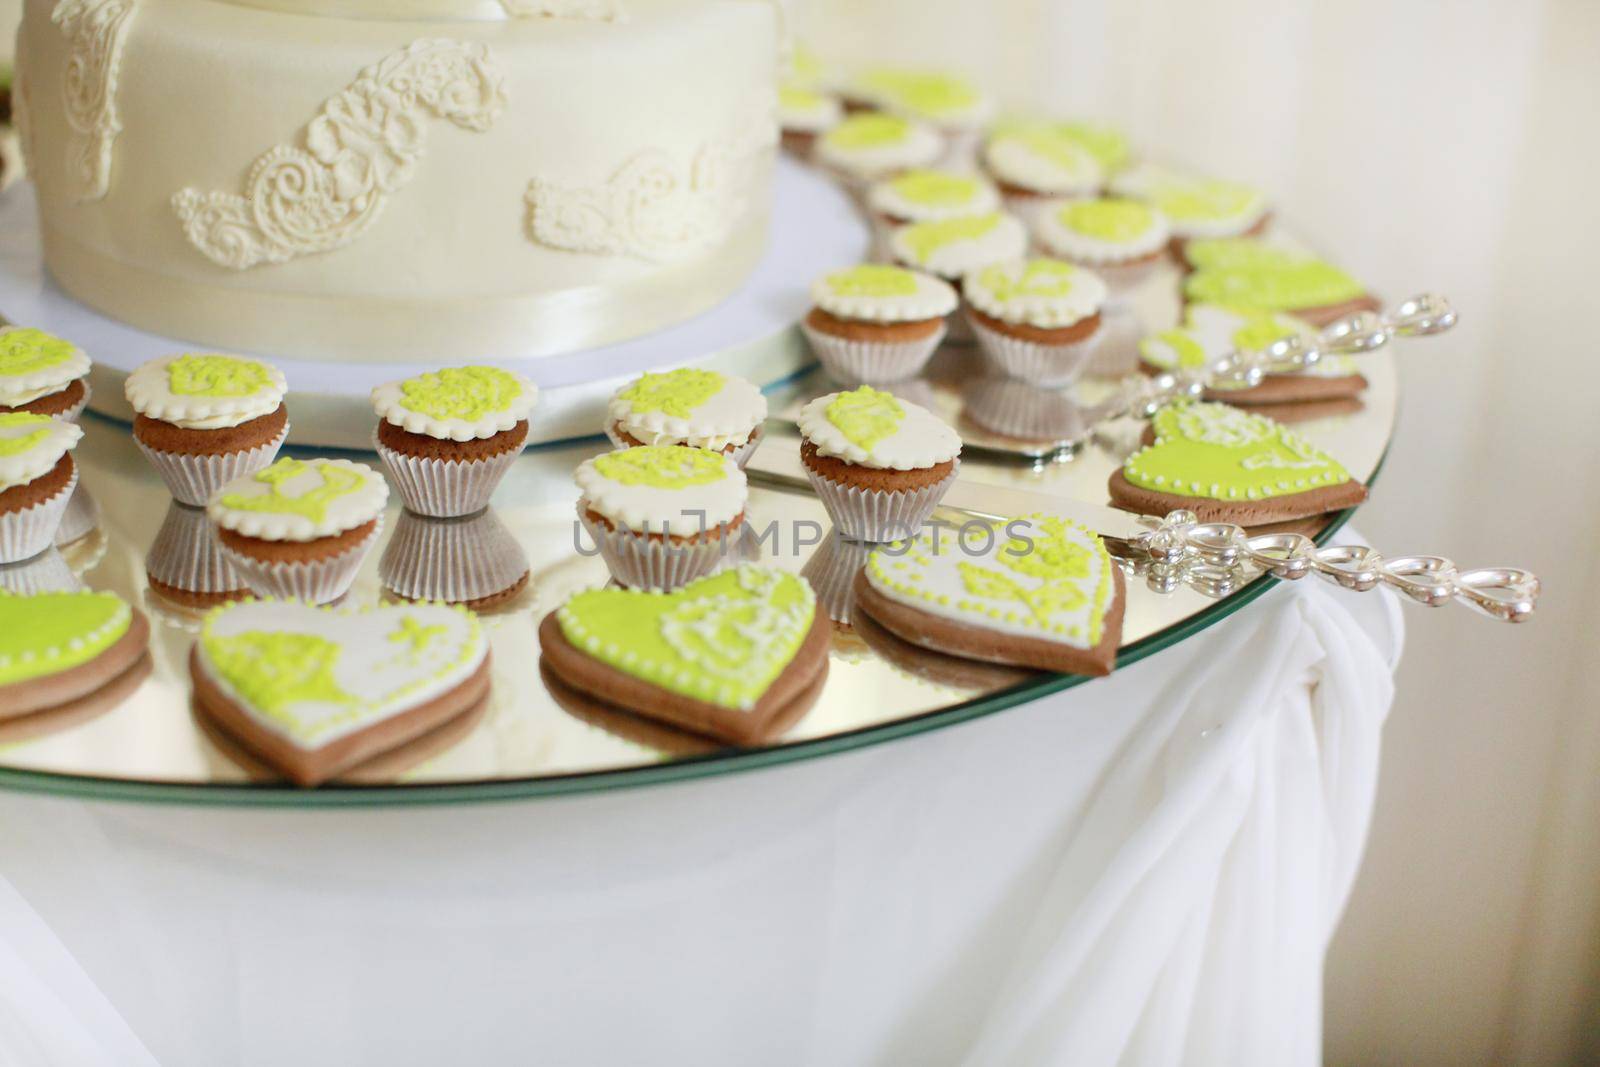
column 64, row 653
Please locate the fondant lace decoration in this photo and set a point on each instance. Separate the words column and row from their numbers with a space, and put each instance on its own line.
column 656, row 206
column 95, row 30
column 595, row 10
column 362, row 147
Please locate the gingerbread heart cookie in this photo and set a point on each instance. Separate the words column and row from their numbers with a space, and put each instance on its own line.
column 1244, row 272
column 58, row 650
column 315, row 691
column 1229, row 465
column 1037, row 591
column 726, row 655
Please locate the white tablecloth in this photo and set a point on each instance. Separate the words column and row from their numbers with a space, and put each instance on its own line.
column 1145, row 870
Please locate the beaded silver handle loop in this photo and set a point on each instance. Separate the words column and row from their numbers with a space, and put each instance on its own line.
column 1216, row 558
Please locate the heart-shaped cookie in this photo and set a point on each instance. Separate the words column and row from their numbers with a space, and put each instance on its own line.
column 1036, row 591
column 1229, row 465
column 58, row 648
column 315, row 691
column 1247, row 273
column 724, row 655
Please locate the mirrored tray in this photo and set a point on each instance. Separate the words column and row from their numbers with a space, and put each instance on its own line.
column 526, row 743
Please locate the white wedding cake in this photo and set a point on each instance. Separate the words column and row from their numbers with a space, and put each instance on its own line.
column 399, row 180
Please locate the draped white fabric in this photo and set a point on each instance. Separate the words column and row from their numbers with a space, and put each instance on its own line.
column 1141, row 871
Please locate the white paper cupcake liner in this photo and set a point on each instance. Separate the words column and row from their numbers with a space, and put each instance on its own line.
column 315, row 581
column 1117, row 354
column 453, row 561
column 48, row 572
column 851, row 362
column 1033, row 362
column 875, row 515
column 192, row 479
column 187, row 556
column 28, row 532
column 832, row 571
column 740, row 455
column 80, row 519
column 642, row 562
column 1017, row 409
column 444, row 488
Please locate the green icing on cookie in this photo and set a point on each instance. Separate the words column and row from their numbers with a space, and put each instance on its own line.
column 27, row 440
column 1046, row 278
column 217, row 376
column 1107, row 220
column 1302, row 284
column 866, row 416
column 675, row 393
column 1174, row 348
column 923, row 239
column 663, row 466
column 274, row 670
column 1105, row 143
column 312, row 504
column 1053, row 146
column 1221, row 453
column 28, row 350
column 927, row 93
column 869, row 130
column 464, row 393
column 1262, row 330
column 935, row 188
column 47, row 633
column 1240, row 253
column 873, row 280
column 794, row 98
column 723, row 639
column 1207, row 201
column 415, row 636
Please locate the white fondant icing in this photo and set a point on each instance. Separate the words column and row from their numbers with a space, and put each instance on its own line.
column 920, row 441
column 389, row 402
column 1007, row 239
column 807, row 111
column 933, row 298
column 95, row 31
column 918, row 146
column 891, row 197
column 19, row 389
column 727, row 417
column 56, row 438
column 149, row 391
column 358, row 507
column 1071, row 169
column 1084, row 296
column 1061, row 239
column 678, row 511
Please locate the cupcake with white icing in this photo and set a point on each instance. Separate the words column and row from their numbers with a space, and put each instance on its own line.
column 930, row 195
column 662, row 515
column 1196, row 207
column 299, row 529
column 691, row 407
column 447, row 437
column 1120, row 240
column 1036, row 319
column 869, row 146
column 37, row 477
column 1034, row 163
column 804, row 114
column 879, row 464
column 204, row 419
column 876, row 323
column 42, row 374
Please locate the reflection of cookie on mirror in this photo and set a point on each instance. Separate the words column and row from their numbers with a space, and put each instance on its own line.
column 316, row 691
column 59, row 650
column 727, row 656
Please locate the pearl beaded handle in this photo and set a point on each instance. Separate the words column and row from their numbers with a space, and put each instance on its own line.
column 1215, row 558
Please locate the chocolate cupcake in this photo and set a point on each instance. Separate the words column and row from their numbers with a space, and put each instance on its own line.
column 929, row 195
column 299, row 529
column 204, row 420
column 37, row 477
column 1120, row 240
column 1034, row 163
column 447, row 437
column 867, row 147
column 1036, row 319
column 946, row 101
column 42, row 374
column 692, row 407
column 879, row 464
column 877, row 324
column 1196, row 207
column 952, row 248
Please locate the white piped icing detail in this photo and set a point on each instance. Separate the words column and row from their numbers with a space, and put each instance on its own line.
column 360, row 502
column 906, row 196
column 95, row 32
column 49, row 439
column 1068, row 170
column 1001, row 291
column 932, row 298
column 1006, row 239
column 681, row 511
column 1060, row 238
column 373, row 663
column 921, row 440
column 362, row 148
column 389, row 402
column 18, row 387
column 725, row 417
column 149, row 390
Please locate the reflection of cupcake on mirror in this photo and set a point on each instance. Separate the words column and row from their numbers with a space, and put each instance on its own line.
column 80, row 519
column 186, row 566
column 870, row 146
column 832, row 571
column 1036, row 319
column 1122, row 241
column 473, row 561
column 48, row 572
column 875, row 323
column 203, row 420
column 1024, row 413
column 37, row 477
column 692, row 407
column 804, row 114
column 42, row 374
column 447, row 437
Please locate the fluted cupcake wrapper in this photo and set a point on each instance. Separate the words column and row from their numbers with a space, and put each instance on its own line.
column 454, row 561
column 832, row 571
column 1033, row 362
column 878, row 515
column 319, row 581
column 29, row 531
column 851, row 362
column 48, row 572
column 445, row 488
column 193, row 479
column 740, row 455
column 79, row 519
column 639, row 561
column 186, row 555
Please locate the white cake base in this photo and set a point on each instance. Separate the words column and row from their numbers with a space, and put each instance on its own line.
column 815, row 228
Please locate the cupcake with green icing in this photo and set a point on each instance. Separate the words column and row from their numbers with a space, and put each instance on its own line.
column 948, row 102
column 804, row 114
column 1036, row 319
column 930, row 195
column 953, row 248
column 447, row 437
column 1119, row 239
column 204, row 419
column 691, row 406
column 1197, row 207
column 1034, row 163
column 300, row 529
column 879, row 464
column 662, row 515
column 42, row 373
column 37, row 477
column 1256, row 275
column 869, row 146
column 877, row 323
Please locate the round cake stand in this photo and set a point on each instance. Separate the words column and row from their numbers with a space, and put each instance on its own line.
column 814, row 228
